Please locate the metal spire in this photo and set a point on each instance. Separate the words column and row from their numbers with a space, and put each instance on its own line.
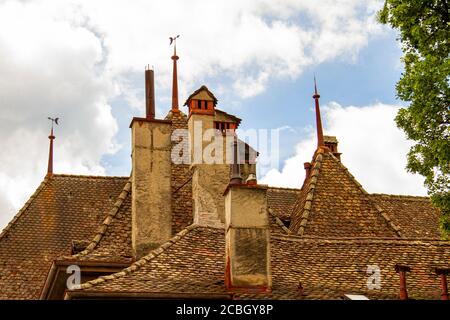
column 175, row 76
column 50, row 153
column 316, row 97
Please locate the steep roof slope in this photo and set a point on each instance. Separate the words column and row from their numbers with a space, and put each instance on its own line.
column 333, row 204
column 64, row 208
column 192, row 263
column 416, row 216
column 112, row 241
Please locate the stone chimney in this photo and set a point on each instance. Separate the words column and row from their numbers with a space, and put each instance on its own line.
column 247, row 240
column 151, row 182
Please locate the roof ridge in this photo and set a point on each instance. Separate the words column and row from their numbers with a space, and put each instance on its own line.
column 107, row 221
column 67, row 175
column 141, row 262
column 24, row 207
column 315, row 171
column 279, row 222
column 416, row 241
column 383, row 213
column 203, row 87
column 284, row 188
column 400, row 196
column 237, row 119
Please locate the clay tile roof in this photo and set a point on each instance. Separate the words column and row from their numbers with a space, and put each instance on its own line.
column 232, row 117
column 112, row 239
column 281, row 201
column 332, row 203
column 192, row 263
column 63, row 209
column 416, row 216
column 202, row 88
column 341, row 265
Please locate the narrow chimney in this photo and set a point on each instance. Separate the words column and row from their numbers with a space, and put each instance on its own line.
column 236, row 177
column 247, row 238
column 401, row 270
column 442, row 272
column 316, row 97
column 149, row 94
column 151, row 203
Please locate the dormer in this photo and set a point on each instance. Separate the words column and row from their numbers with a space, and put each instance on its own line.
column 202, row 101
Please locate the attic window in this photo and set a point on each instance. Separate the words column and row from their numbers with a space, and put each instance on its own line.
column 355, row 297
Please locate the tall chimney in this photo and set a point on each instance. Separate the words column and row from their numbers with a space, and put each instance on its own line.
column 401, row 270
column 151, row 203
column 236, row 177
column 247, row 238
column 149, row 94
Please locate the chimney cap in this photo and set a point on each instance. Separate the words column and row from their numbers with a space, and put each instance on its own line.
column 402, row 268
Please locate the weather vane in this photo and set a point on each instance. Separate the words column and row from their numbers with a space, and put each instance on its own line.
column 53, row 120
column 174, row 39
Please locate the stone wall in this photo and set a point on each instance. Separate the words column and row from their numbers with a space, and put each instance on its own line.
column 247, row 239
column 151, row 185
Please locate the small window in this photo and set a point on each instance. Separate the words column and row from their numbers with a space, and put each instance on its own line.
column 355, row 297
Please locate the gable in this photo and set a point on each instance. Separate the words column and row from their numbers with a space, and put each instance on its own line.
column 333, row 204
column 64, row 208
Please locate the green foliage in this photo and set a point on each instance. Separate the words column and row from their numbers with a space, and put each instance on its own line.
column 424, row 28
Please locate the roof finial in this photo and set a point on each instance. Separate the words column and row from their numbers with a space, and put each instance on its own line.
column 50, row 153
column 175, row 77
column 316, row 97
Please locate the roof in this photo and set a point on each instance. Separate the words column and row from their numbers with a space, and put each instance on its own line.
column 192, row 262
column 416, row 216
column 112, row 240
column 63, row 208
column 332, row 203
column 332, row 207
column 204, row 89
column 282, row 200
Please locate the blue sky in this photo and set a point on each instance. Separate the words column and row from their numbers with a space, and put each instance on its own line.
column 364, row 80
column 84, row 63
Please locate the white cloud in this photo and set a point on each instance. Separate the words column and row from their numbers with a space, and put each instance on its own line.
column 49, row 66
column 70, row 58
column 374, row 150
column 231, row 37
